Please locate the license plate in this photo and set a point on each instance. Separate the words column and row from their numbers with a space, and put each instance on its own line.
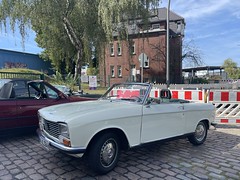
column 44, row 142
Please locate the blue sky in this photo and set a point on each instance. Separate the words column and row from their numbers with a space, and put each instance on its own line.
column 213, row 25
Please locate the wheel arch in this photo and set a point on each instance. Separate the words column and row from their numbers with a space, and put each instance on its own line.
column 124, row 144
column 206, row 122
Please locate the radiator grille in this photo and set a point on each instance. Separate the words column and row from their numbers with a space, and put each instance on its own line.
column 51, row 128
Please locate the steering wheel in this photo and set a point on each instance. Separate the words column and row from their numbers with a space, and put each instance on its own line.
column 38, row 95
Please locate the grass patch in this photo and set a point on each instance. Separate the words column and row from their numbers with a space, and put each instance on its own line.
column 85, row 88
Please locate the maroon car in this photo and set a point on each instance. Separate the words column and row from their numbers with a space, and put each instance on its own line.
column 20, row 100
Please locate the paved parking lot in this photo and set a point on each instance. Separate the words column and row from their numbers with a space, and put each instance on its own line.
column 21, row 157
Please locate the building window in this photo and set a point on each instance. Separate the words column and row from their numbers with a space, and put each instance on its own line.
column 132, row 48
column 119, row 49
column 119, row 71
column 133, row 26
column 155, row 26
column 111, row 49
column 112, row 71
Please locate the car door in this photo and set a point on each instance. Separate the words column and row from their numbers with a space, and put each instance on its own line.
column 8, row 113
column 161, row 121
column 29, row 104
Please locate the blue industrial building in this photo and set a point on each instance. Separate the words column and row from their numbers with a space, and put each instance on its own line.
column 14, row 59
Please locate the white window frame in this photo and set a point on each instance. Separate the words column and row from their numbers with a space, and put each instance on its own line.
column 133, row 50
column 119, row 48
column 112, row 71
column 119, row 71
column 111, row 49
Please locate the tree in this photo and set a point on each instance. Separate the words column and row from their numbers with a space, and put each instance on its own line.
column 191, row 55
column 230, row 67
column 67, row 29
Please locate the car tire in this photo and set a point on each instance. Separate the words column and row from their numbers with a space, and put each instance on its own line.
column 200, row 134
column 104, row 152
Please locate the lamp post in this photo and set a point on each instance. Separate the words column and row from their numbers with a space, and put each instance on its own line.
column 167, row 61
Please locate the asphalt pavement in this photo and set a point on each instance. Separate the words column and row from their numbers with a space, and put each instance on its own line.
column 22, row 157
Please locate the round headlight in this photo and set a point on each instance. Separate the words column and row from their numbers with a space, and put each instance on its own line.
column 63, row 129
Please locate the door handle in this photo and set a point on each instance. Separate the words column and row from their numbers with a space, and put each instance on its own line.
column 181, row 107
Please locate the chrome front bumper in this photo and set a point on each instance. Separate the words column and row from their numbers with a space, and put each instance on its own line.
column 47, row 142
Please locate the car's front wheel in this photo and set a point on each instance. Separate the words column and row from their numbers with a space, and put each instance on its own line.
column 200, row 134
column 104, row 153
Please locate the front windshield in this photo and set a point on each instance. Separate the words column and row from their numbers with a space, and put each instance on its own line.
column 60, row 88
column 135, row 92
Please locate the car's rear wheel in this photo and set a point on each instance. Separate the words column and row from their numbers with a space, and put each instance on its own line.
column 200, row 134
column 104, row 153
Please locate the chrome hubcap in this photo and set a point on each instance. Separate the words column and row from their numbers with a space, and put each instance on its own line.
column 200, row 132
column 108, row 152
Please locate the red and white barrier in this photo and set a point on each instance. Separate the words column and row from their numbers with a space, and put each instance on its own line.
column 227, row 112
column 227, row 121
column 155, row 93
column 227, row 102
column 192, row 95
column 120, row 93
column 124, row 93
column 224, row 95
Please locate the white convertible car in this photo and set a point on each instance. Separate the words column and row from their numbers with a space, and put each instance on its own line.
column 124, row 117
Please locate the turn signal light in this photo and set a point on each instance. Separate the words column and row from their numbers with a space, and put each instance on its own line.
column 66, row 142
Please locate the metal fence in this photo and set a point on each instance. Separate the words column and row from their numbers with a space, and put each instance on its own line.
column 6, row 75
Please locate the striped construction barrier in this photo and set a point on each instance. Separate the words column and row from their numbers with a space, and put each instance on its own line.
column 121, row 93
column 192, row 95
column 227, row 105
column 227, row 102
column 224, row 95
column 155, row 93
column 227, row 121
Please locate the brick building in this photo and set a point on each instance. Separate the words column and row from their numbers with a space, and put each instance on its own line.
column 145, row 46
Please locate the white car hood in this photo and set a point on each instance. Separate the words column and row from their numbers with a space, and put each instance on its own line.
column 69, row 111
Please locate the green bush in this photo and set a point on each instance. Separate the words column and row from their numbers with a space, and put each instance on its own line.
column 68, row 80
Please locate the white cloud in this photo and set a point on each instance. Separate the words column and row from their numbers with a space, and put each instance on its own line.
column 213, row 25
column 198, row 8
column 236, row 14
column 225, row 33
